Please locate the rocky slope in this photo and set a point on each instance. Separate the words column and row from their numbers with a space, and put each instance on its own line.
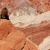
column 32, row 17
column 13, row 39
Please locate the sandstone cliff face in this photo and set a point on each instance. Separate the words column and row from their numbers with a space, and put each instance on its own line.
column 41, row 5
column 37, row 32
column 13, row 39
column 23, row 17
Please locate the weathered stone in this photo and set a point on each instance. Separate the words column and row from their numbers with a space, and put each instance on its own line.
column 13, row 39
column 42, row 5
column 6, row 45
column 37, row 33
column 5, row 27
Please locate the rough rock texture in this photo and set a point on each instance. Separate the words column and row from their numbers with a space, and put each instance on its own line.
column 4, row 30
column 42, row 5
column 13, row 39
column 37, row 33
column 24, row 17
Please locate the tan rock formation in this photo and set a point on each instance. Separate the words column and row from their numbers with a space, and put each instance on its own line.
column 5, row 27
column 13, row 39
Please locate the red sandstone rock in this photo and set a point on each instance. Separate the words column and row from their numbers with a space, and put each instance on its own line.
column 5, row 27
column 15, row 40
column 42, row 5
column 6, row 45
column 15, row 36
column 26, row 45
column 29, row 46
column 20, row 44
column 37, row 33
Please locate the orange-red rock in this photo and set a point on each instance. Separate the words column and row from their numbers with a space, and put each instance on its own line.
column 26, row 45
column 15, row 36
column 37, row 33
column 13, row 39
column 20, row 44
column 29, row 46
column 5, row 27
column 42, row 5
column 6, row 45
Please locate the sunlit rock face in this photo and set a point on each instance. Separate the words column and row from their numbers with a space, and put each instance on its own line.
column 32, row 18
column 13, row 39
column 39, row 34
column 42, row 5
column 27, row 17
column 36, row 27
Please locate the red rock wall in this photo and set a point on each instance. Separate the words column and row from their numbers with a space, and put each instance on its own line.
column 13, row 39
column 37, row 33
column 42, row 5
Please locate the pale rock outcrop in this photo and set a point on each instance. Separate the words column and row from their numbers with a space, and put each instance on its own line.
column 37, row 32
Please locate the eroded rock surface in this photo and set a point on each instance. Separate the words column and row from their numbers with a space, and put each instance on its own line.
column 37, row 32
column 13, row 39
column 41, row 5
